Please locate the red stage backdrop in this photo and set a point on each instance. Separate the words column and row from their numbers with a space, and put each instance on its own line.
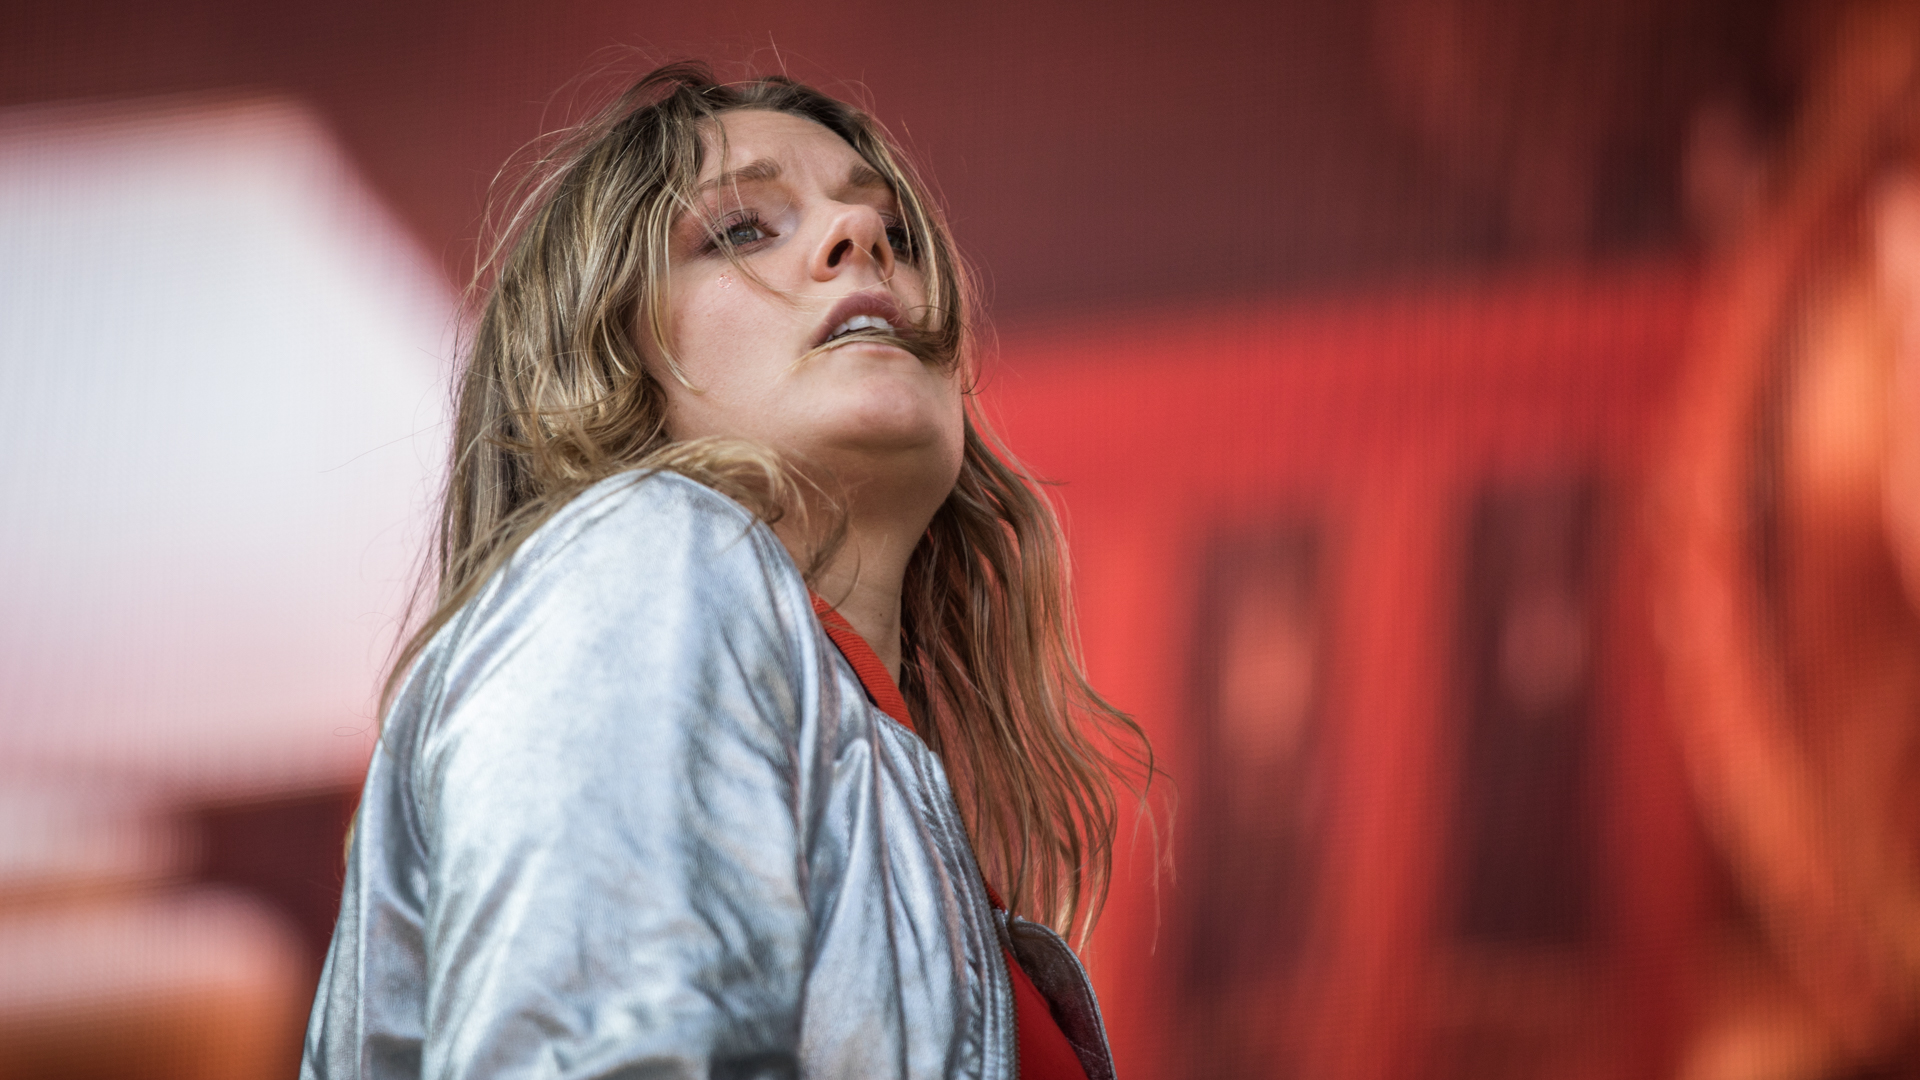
column 1366, row 573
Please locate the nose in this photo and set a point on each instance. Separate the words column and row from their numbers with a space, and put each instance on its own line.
column 855, row 235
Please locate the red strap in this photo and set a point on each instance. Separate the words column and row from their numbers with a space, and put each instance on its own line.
column 1045, row 1053
column 866, row 664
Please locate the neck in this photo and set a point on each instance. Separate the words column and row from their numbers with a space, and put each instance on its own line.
column 863, row 578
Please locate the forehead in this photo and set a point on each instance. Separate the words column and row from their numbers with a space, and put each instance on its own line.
column 792, row 142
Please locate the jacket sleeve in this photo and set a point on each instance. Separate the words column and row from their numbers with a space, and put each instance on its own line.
column 609, row 799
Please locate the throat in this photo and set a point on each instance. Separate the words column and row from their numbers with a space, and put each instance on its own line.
column 882, row 684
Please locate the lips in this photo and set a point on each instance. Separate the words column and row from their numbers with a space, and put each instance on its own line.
column 859, row 312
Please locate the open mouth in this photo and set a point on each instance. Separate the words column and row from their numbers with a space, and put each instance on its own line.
column 857, row 324
column 863, row 314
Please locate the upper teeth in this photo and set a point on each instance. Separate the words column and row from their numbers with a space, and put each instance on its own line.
column 860, row 322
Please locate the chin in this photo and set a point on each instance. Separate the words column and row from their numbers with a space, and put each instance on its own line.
column 896, row 447
column 892, row 434
column 896, row 410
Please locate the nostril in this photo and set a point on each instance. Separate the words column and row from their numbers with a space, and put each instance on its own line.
column 839, row 251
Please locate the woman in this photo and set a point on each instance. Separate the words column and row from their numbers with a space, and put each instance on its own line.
column 731, row 583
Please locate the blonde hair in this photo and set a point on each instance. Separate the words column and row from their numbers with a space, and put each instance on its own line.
column 555, row 397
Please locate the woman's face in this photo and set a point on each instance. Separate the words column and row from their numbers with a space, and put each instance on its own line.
column 823, row 233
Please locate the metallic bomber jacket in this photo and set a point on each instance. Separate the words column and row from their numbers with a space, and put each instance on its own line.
column 633, row 815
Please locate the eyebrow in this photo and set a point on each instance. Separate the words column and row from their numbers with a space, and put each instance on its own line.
column 861, row 176
column 752, row 172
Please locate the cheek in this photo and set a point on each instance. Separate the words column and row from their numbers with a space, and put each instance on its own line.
column 714, row 327
column 696, row 360
column 912, row 287
column 731, row 343
column 955, row 427
column 693, row 312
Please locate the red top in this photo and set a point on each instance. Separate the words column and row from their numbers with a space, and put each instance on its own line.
column 1045, row 1053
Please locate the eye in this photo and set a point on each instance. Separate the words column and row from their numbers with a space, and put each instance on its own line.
column 900, row 240
column 739, row 231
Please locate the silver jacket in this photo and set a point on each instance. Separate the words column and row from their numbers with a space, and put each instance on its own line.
column 633, row 815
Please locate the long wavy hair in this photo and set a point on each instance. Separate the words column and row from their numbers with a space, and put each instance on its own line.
column 555, row 398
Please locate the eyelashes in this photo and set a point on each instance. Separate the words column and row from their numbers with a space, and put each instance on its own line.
column 900, row 239
column 745, row 228
column 736, row 231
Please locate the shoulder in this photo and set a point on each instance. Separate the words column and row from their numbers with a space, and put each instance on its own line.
column 641, row 576
column 641, row 543
column 655, row 516
column 649, row 613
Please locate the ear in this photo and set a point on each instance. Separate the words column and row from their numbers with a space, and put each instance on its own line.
column 1895, row 228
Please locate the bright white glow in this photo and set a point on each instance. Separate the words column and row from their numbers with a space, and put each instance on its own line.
column 223, row 374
